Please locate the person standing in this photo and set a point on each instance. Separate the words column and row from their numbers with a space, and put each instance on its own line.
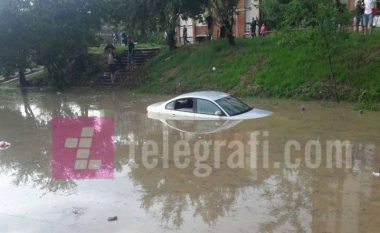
column 124, row 38
column 114, row 38
column 359, row 13
column 131, row 49
column 253, row 27
column 263, row 30
column 110, row 53
column 185, row 41
column 369, row 5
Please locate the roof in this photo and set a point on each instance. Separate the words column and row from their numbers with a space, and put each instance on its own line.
column 210, row 95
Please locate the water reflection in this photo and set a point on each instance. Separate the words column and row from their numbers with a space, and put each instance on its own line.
column 194, row 126
column 229, row 200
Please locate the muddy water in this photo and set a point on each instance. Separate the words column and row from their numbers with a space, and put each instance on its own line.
column 268, row 197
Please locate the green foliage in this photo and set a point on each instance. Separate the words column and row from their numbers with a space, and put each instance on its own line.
column 273, row 12
column 67, row 29
column 160, row 16
column 324, row 20
column 16, row 23
column 225, row 11
column 50, row 33
column 369, row 100
column 270, row 67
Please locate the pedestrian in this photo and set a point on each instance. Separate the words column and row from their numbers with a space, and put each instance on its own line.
column 359, row 13
column 124, row 38
column 114, row 38
column 121, row 38
column 263, row 30
column 185, row 41
column 110, row 53
column 368, row 17
column 131, row 49
column 253, row 27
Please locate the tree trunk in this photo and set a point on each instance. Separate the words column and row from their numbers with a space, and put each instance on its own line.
column 230, row 36
column 21, row 74
column 170, row 40
column 231, row 39
column 21, row 68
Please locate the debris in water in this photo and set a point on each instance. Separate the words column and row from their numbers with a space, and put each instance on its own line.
column 114, row 218
column 78, row 211
column 303, row 108
column 377, row 174
column 4, row 145
column 361, row 111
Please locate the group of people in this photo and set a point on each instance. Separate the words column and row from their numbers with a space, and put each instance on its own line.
column 263, row 30
column 111, row 55
column 365, row 11
column 121, row 38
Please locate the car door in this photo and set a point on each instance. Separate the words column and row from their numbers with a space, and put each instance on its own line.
column 181, row 108
column 205, row 109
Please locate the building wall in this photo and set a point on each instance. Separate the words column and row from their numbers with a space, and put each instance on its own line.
column 246, row 10
column 351, row 4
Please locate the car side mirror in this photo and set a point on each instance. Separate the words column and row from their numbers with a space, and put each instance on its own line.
column 218, row 113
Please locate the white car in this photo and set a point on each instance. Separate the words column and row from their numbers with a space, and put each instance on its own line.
column 206, row 105
column 192, row 126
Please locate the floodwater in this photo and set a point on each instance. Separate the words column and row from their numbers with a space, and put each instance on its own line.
column 167, row 198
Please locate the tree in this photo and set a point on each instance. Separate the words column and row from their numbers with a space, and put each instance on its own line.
column 323, row 19
column 162, row 15
column 66, row 29
column 16, row 41
column 225, row 11
column 273, row 12
column 50, row 33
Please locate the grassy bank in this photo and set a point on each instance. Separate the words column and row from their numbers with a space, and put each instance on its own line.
column 271, row 67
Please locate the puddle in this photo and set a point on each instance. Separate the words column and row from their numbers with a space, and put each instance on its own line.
column 167, row 198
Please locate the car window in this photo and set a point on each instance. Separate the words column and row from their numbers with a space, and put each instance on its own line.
column 170, row 106
column 233, row 106
column 184, row 105
column 206, row 107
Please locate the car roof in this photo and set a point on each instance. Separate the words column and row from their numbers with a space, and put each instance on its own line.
column 209, row 95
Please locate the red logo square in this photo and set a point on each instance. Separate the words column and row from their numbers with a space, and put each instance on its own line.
column 83, row 148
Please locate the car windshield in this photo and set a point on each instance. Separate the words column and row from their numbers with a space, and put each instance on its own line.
column 233, row 106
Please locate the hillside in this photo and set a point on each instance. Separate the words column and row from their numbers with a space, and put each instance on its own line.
column 271, row 67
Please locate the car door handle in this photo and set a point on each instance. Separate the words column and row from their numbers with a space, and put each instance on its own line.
column 173, row 114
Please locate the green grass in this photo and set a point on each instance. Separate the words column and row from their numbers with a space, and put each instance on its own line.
column 38, row 78
column 121, row 48
column 270, row 67
column 148, row 45
column 100, row 50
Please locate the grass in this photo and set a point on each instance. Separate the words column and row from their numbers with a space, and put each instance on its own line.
column 121, row 48
column 271, row 67
column 100, row 50
column 38, row 78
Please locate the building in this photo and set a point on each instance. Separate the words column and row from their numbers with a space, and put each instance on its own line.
column 351, row 4
column 198, row 31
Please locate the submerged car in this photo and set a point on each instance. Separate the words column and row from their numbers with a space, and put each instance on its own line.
column 206, row 105
column 192, row 126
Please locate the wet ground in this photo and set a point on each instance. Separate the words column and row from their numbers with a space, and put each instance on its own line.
column 166, row 198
